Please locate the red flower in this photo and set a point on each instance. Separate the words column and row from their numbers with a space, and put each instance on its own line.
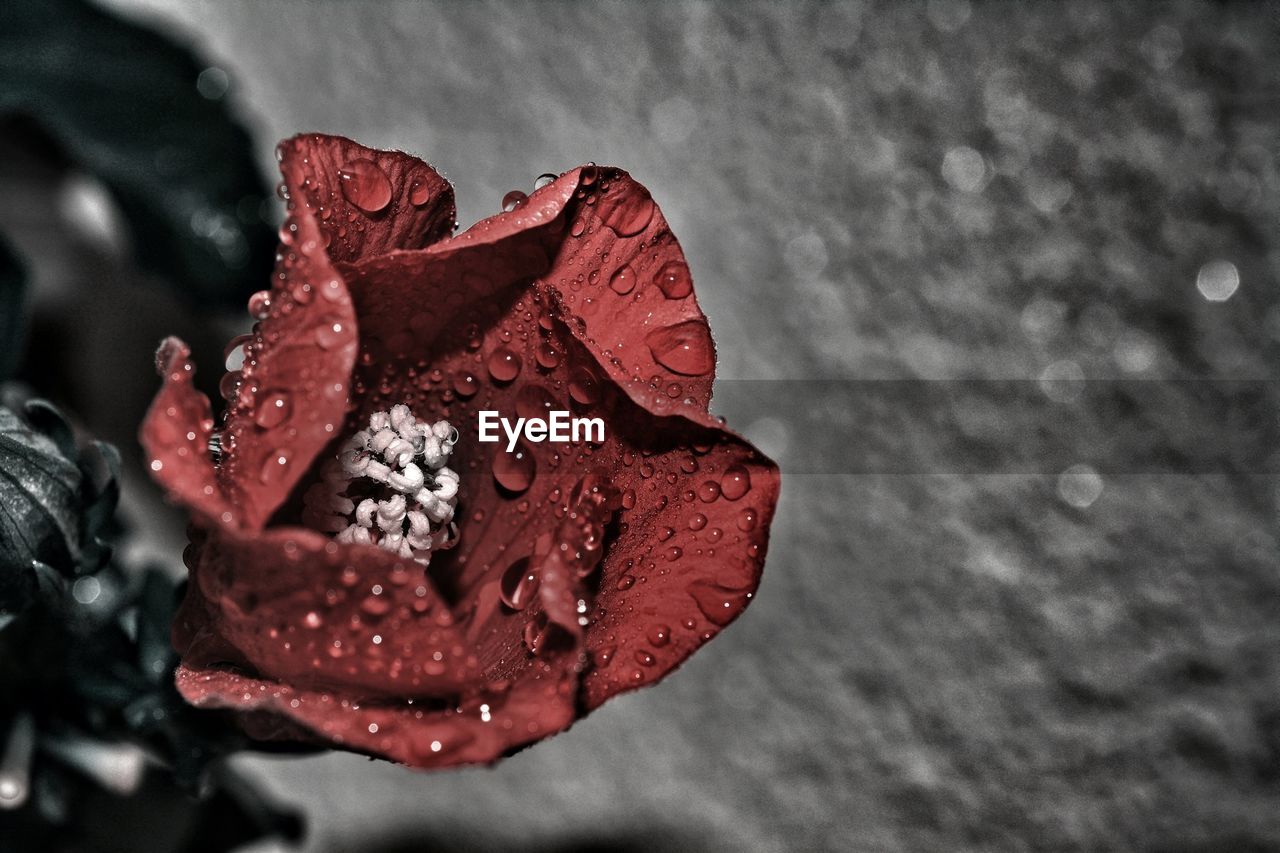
column 581, row 570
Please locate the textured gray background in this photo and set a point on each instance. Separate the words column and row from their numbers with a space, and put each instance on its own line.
column 946, row 657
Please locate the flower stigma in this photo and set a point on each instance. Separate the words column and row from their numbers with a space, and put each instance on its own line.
column 390, row 487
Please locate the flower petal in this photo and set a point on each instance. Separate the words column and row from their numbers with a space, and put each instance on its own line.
column 293, row 605
column 406, row 299
column 596, row 238
column 480, row 731
column 293, row 389
column 175, row 435
column 367, row 202
column 689, row 553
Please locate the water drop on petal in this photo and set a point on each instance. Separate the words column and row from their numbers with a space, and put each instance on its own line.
column 275, row 465
column 512, row 200
column 623, row 281
column 683, row 348
column 260, row 305
column 514, row 471
column 330, row 333
column 630, row 214
column 673, row 280
column 547, row 355
column 465, row 385
column 584, row 386
column 365, row 185
column 504, row 364
column 735, row 483
column 419, row 193
column 273, row 410
column 719, row 604
column 534, row 401
column 518, row 585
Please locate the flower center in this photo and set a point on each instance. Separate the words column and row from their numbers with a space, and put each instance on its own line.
column 390, row 487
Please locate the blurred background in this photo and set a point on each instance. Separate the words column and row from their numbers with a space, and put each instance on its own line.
column 996, row 283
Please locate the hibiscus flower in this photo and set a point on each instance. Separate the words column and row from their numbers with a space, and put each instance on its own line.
column 364, row 572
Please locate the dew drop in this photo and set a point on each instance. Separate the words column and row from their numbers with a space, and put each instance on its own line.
column 229, row 385
column 584, row 387
column 504, row 364
column 534, row 401
column 747, row 519
column 518, row 585
column 312, row 620
column 365, row 185
column 465, row 385
column 548, row 356
column 514, row 471
column 275, row 465
column 233, row 354
column 684, row 348
column 419, row 193
column 659, row 635
column 631, row 214
column 624, row 280
column 708, row 491
column 273, row 410
column 673, row 280
column 332, row 290
column 719, row 604
column 645, row 658
column 260, row 305
column 697, row 521
column 735, row 483
column 533, row 636
column 330, row 333
column 512, row 200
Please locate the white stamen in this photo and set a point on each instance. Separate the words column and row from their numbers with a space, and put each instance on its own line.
column 408, row 457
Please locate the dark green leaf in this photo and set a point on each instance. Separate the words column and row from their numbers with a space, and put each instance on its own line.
column 13, row 285
column 57, row 504
column 121, row 101
column 40, row 508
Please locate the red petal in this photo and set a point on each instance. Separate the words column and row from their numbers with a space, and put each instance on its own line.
column 175, row 435
column 688, row 559
column 345, row 200
column 651, row 337
column 294, row 386
column 293, row 605
column 367, row 202
column 537, row 705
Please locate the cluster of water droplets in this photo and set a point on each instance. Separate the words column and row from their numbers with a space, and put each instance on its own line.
column 704, row 517
column 632, row 267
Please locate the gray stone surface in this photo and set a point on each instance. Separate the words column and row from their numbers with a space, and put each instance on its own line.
column 944, row 654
